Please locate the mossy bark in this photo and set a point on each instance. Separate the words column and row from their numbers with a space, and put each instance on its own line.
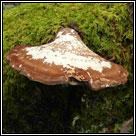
column 31, row 107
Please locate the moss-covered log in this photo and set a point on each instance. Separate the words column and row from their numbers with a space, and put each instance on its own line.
column 31, row 107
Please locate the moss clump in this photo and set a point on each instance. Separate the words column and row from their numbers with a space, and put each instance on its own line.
column 31, row 107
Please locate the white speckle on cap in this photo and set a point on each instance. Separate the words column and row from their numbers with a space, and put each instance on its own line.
column 72, row 30
column 107, row 85
column 67, row 59
column 67, row 54
column 68, row 38
column 13, row 66
column 28, row 74
column 20, row 65
column 89, row 74
column 59, row 34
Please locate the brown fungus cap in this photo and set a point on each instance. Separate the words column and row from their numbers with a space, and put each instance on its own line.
column 66, row 60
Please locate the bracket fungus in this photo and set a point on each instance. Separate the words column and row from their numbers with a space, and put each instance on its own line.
column 66, row 60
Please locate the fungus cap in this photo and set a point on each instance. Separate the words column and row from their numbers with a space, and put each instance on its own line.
column 66, row 60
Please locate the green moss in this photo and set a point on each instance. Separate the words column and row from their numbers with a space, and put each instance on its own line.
column 31, row 107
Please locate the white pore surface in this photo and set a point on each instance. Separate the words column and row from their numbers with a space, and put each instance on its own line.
column 69, row 56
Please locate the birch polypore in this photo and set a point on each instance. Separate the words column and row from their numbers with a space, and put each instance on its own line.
column 66, row 60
